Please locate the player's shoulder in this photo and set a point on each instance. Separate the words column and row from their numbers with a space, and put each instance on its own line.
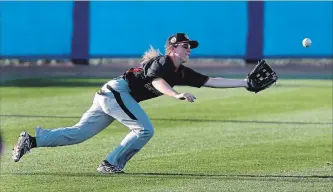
column 164, row 60
column 185, row 68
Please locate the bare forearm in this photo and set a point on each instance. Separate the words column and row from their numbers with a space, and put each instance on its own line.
column 218, row 82
column 162, row 86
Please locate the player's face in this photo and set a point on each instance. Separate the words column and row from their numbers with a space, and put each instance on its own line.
column 183, row 51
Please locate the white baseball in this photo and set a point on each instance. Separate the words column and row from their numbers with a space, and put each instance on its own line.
column 306, row 42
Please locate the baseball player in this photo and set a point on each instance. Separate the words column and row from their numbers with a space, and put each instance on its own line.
column 119, row 98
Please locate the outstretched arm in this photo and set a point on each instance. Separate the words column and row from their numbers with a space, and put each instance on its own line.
column 218, row 82
column 162, row 86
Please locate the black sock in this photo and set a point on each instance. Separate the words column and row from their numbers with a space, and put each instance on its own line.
column 33, row 141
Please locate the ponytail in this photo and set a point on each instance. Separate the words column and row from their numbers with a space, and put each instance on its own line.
column 150, row 53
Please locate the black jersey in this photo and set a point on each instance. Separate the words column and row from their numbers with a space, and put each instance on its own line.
column 140, row 79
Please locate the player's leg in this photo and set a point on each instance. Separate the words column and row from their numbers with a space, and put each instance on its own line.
column 121, row 105
column 92, row 122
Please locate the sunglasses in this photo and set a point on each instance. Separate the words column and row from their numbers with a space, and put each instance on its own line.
column 184, row 45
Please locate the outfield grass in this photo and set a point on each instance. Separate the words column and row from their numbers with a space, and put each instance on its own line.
column 228, row 140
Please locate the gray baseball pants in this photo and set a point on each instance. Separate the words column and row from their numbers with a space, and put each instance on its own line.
column 117, row 104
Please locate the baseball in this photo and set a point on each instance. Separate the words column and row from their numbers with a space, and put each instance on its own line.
column 306, row 42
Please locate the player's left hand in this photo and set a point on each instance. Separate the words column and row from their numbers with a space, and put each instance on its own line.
column 261, row 77
column 186, row 96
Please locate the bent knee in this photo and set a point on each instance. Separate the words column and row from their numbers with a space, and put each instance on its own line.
column 147, row 131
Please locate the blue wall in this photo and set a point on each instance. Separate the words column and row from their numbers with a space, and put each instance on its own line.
column 288, row 23
column 127, row 28
column 122, row 29
column 35, row 28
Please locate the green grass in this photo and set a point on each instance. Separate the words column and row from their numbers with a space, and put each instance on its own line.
column 228, row 140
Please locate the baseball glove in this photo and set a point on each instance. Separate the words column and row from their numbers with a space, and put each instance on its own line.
column 261, row 77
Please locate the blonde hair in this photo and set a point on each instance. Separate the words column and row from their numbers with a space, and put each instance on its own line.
column 151, row 53
column 167, row 47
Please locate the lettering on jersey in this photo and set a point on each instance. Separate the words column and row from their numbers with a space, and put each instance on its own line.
column 152, row 90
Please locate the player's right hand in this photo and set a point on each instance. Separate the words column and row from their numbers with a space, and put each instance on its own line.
column 186, row 96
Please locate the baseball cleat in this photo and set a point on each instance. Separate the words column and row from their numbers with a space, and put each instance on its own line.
column 106, row 167
column 22, row 146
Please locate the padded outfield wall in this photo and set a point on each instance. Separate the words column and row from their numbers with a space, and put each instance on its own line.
column 125, row 29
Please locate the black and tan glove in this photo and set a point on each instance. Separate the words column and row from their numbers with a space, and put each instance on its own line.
column 261, row 77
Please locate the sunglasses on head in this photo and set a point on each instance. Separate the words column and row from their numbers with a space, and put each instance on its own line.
column 184, row 45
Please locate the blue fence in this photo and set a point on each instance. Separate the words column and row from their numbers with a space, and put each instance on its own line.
column 79, row 29
column 35, row 29
column 286, row 24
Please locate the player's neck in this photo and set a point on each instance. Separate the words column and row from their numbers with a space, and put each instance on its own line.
column 176, row 61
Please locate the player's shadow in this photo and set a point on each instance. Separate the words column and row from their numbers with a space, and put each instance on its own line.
column 53, row 82
column 180, row 120
column 295, row 178
column 244, row 121
column 303, row 86
column 233, row 176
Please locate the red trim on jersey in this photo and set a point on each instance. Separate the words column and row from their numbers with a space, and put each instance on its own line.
column 135, row 70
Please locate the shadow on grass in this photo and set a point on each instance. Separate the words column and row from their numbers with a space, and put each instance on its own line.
column 303, row 86
column 55, row 82
column 181, row 120
column 93, row 82
column 182, row 176
column 233, row 176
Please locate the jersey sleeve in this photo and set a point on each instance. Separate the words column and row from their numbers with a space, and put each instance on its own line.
column 158, row 68
column 192, row 78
